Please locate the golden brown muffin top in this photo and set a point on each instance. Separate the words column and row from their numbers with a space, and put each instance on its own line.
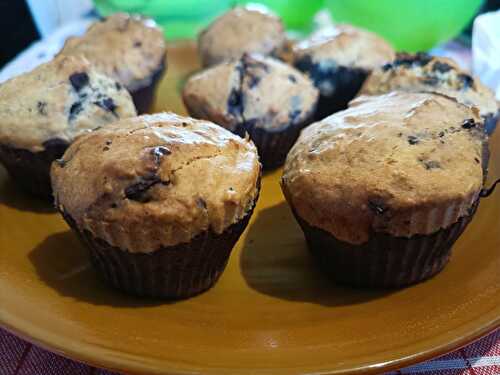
column 401, row 163
column 344, row 45
column 59, row 100
column 131, row 49
column 424, row 73
column 254, row 89
column 250, row 29
column 156, row 180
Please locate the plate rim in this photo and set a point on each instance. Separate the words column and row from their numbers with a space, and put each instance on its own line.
column 115, row 360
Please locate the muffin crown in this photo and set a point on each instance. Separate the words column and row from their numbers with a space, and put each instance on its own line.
column 58, row 101
column 242, row 30
column 156, row 180
column 424, row 73
column 131, row 49
column 343, row 45
column 401, row 163
column 256, row 90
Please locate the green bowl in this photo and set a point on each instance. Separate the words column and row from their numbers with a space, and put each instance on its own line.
column 180, row 19
column 296, row 14
column 410, row 25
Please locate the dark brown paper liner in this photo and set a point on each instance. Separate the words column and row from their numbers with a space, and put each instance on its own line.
column 347, row 82
column 144, row 97
column 273, row 145
column 31, row 170
column 384, row 261
column 172, row 272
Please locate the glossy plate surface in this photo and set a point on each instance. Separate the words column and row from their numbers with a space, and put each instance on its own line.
column 271, row 312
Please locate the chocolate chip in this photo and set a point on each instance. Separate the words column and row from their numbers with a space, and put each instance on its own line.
column 377, row 207
column 441, row 67
column 108, row 105
column 431, row 81
column 294, row 115
column 477, row 160
column 114, row 205
column 408, row 59
column 292, row 78
column 108, row 142
column 137, row 44
column 465, row 80
column 158, row 153
column 118, row 86
column 430, row 164
column 387, row 67
column 469, row 124
column 105, row 148
column 441, row 134
column 413, row 140
column 42, row 108
column 79, row 80
column 74, row 110
column 235, row 102
column 253, row 80
column 200, row 202
column 136, row 192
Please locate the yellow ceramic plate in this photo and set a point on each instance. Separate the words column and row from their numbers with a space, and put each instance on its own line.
column 271, row 312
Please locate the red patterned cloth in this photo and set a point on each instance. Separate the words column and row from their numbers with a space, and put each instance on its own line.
column 18, row 357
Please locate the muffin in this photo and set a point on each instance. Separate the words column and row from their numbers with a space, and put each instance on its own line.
column 251, row 29
column 43, row 111
column 159, row 200
column 424, row 73
column 338, row 60
column 383, row 189
column 130, row 49
column 261, row 96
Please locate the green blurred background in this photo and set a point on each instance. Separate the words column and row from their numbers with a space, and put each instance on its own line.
column 410, row 25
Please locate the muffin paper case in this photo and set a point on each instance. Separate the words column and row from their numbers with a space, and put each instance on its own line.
column 31, row 170
column 172, row 272
column 144, row 97
column 384, row 261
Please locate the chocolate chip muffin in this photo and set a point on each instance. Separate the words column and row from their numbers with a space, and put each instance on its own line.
column 424, row 73
column 43, row 111
column 251, row 29
column 383, row 189
column 338, row 60
column 261, row 96
column 159, row 200
column 130, row 49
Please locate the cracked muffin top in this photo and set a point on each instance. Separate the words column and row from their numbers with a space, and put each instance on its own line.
column 156, row 180
column 400, row 163
column 343, row 45
column 251, row 29
column 254, row 89
column 424, row 73
column 130, row 49
column 59, row 100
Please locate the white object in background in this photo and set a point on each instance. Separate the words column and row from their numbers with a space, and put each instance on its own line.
column 50, row 15
column 486, row 50
column 43, row 50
